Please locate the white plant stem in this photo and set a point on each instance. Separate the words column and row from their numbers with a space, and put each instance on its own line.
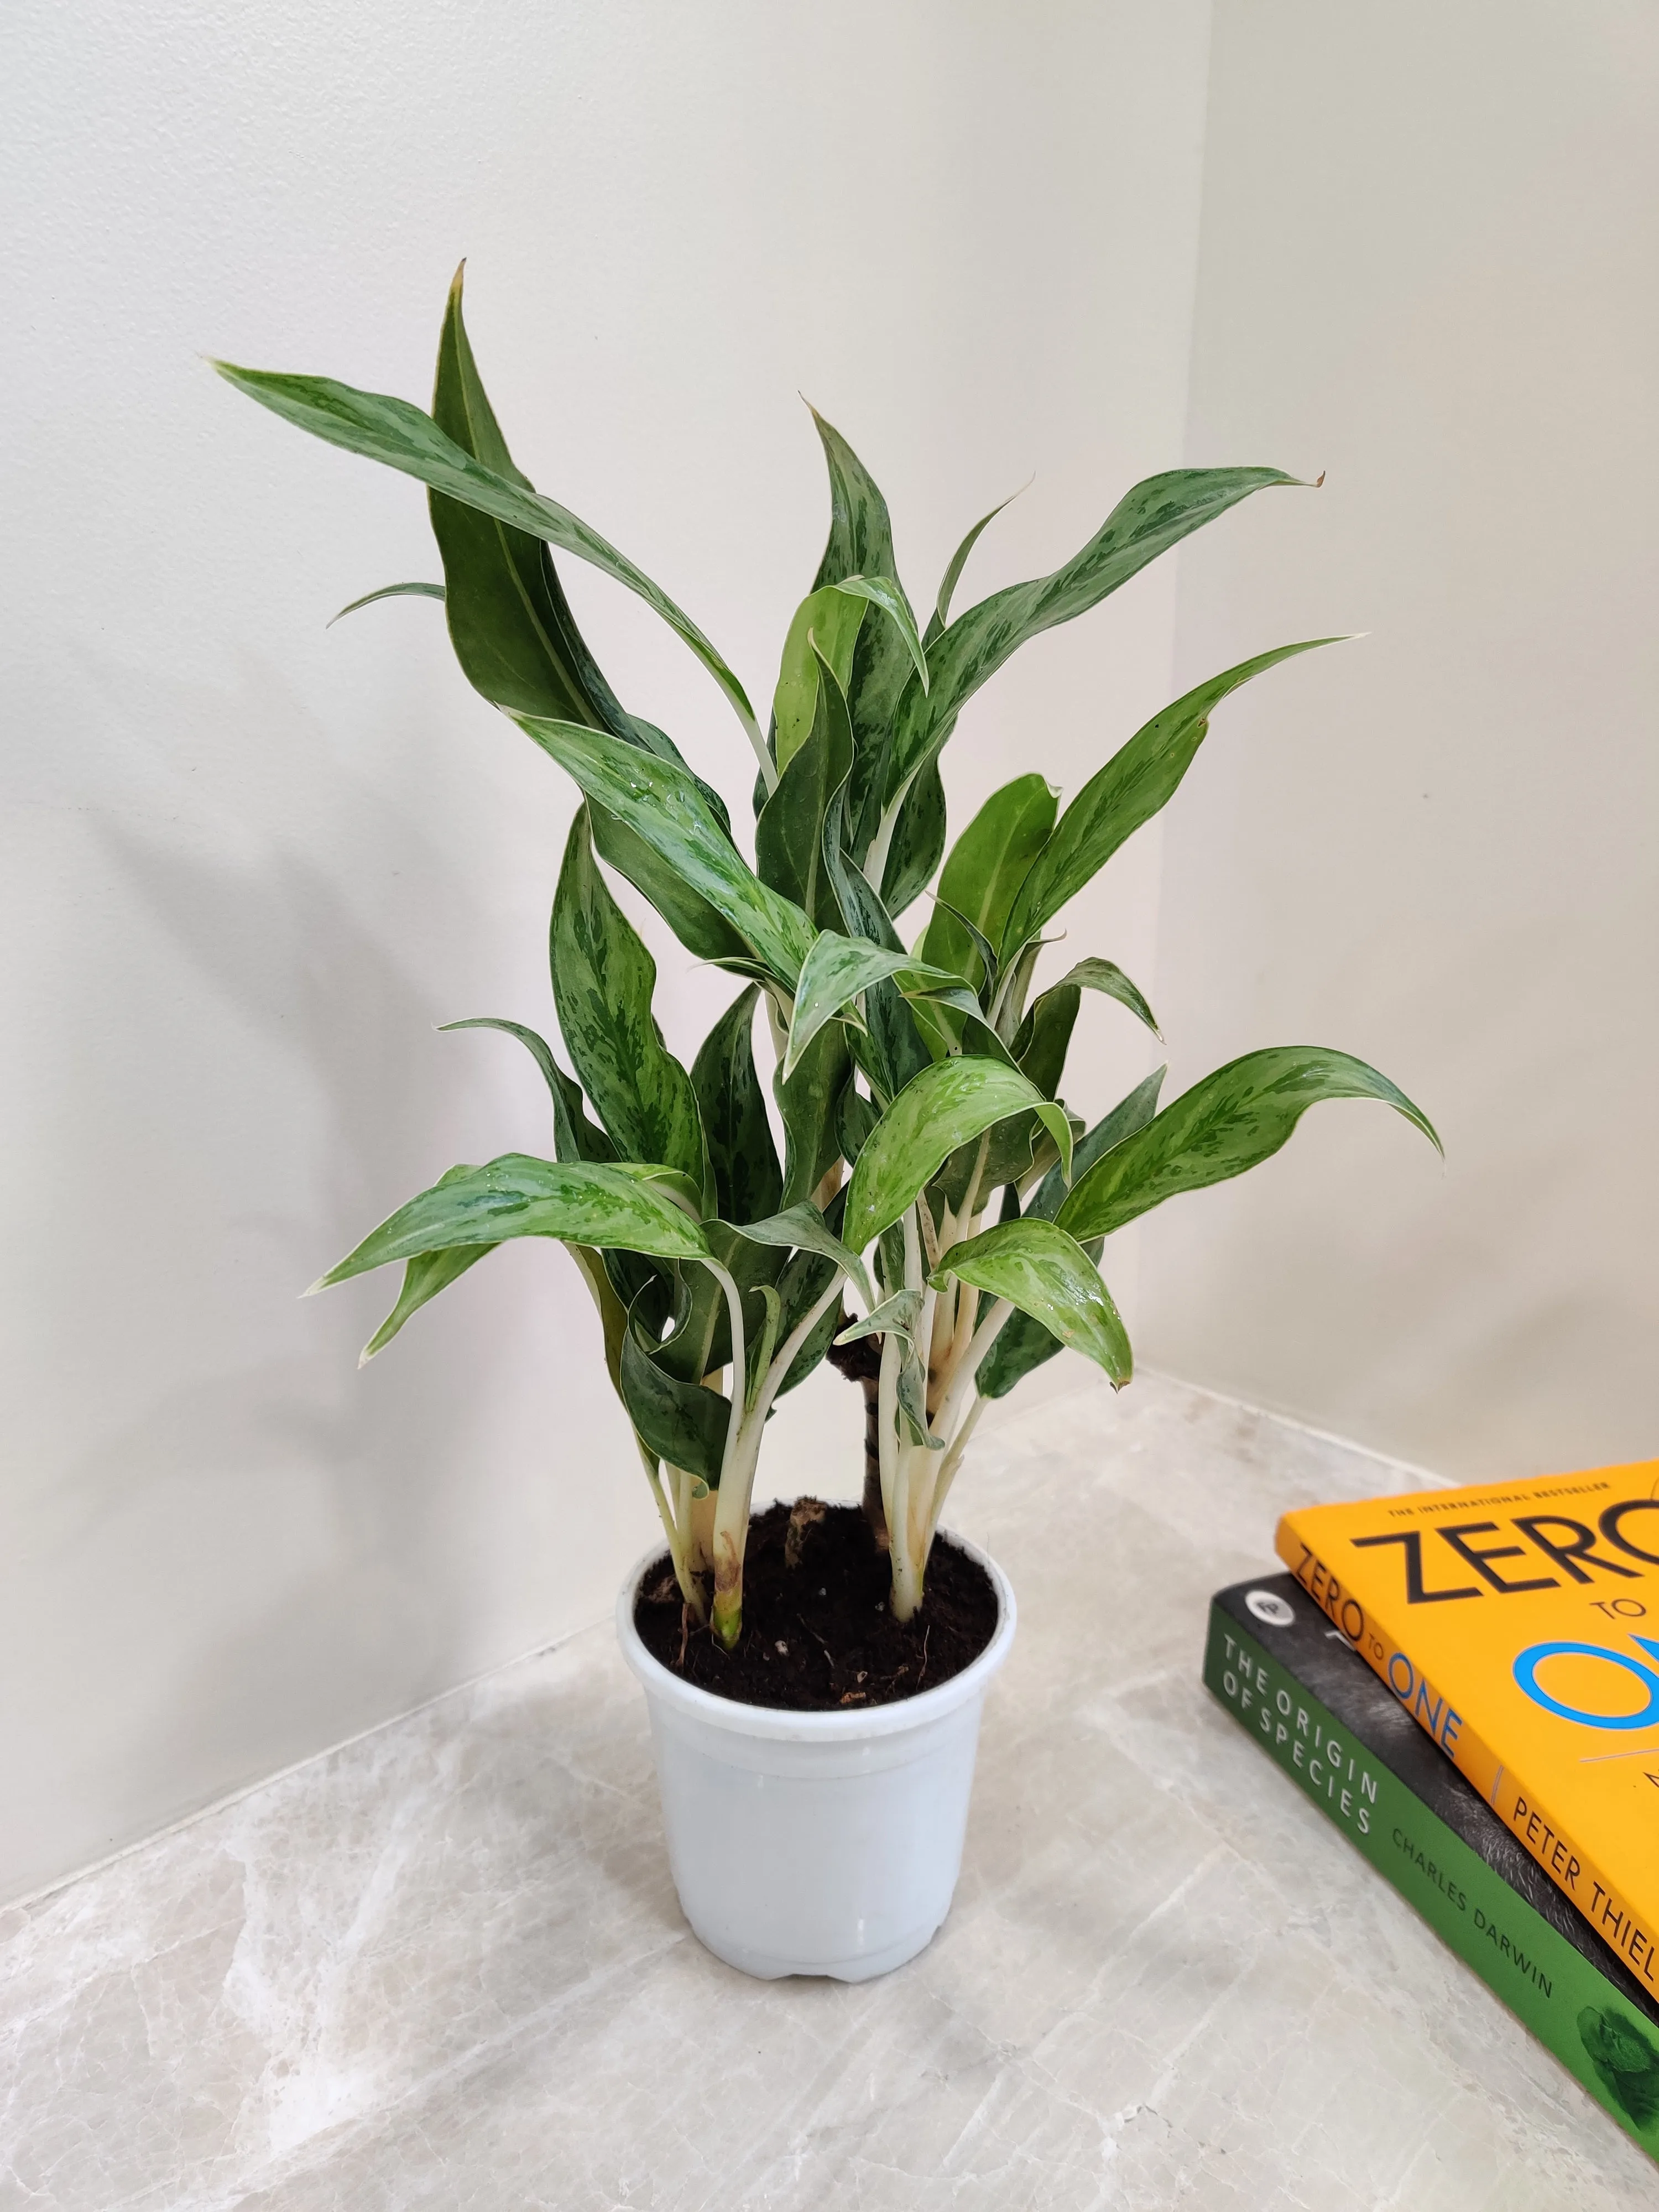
column 951, row 1461
column 875, row 861
column 737, row 1488
column 678, row 1533
column 967, row 1315
column 787, row 1356
column 768, row 767
column 913, row 1275
column 906, row 1572
column 940, row 1337
column 731, row 1506
column 950, row 1414
column 953, row 1426
column 887, row 1434
column 970, row 1207
column 930, row 1244
column 739, row 1354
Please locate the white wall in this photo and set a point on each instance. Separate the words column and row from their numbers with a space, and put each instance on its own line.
column 1429, row 248
column 249, row 863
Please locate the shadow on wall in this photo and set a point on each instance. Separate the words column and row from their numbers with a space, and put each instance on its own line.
column 293, row 1518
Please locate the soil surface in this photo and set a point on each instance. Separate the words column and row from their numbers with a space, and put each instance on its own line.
column 818, row 1628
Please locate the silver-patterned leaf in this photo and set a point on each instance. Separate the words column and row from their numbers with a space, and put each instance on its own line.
column 1231, row 1121
column 1139, row 778
column 1037, row 1267
column 577, row 1201
column 391, row 431
column 946, row 1104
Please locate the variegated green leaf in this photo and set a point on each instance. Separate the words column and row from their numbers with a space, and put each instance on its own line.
column 388, row 591
column 917, row 843
column 424, row 1276
column 834, row 972
column 1139, row 778
column 826, row 624
column 860, row 543
column 574, row 1137
column 897, row 1315
column 511, row 625
column 1105, row 976
column 1150, row 518
column 806, row 1106
column 957, row 562
column 801, row 1285
column 1041, row 1043
column 748, row 1181
column 701, row 928
column 518, row 643
column 1023, row 1343
column 984, row 872
column 893, row 1047
column 888, row 593
column 577, row 1201
column 1044, row 1037
column 661, row 801
column 803, row 1228
column 603, row 979
column 947, row 1103
column 1130, row 1114
column 1231, row 1121
column 1037, row 1267
column 395, row 433
column 790, row 855
column 618, row 1280
column 682, row 1423
column 832, row 975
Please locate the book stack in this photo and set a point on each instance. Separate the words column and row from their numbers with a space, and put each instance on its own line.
column 1467, row 1683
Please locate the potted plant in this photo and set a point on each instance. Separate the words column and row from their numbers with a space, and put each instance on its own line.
column 932, row 1174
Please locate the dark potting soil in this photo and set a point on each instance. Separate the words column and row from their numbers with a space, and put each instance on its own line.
column 818, row 1628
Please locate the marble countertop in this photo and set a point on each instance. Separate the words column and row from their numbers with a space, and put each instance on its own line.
column 443, row 1966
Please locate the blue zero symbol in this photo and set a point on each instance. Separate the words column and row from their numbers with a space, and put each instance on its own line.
column 1526, row 1674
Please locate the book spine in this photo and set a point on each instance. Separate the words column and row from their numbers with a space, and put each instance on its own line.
column 1552, row 1989
column 1538, row 1826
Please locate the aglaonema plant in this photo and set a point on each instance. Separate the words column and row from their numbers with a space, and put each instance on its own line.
column 916, row 1087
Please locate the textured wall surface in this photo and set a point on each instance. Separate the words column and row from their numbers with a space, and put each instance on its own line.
column 1428, row 247
column 249, row 863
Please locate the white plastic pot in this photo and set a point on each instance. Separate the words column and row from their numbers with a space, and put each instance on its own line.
column 816, row 1843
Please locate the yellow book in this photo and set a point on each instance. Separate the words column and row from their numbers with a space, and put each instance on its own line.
column 1518, row 1624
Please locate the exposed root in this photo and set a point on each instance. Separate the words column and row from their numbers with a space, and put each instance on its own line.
column 804, row 1514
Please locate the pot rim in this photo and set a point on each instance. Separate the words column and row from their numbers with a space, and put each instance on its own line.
column 783, row 1724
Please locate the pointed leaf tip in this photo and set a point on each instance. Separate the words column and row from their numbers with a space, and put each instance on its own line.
column 388, row 591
